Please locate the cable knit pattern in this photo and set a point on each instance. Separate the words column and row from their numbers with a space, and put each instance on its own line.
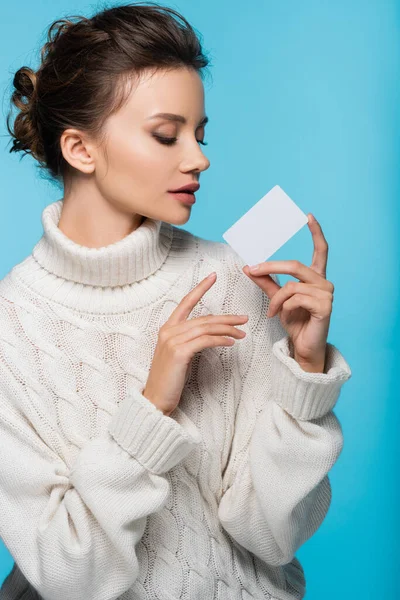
column 102, row 496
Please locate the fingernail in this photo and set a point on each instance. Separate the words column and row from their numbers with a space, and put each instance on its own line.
column 254, row 268
column 211, row 275
column 311, row 218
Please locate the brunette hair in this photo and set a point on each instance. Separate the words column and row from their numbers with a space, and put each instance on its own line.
column 86, row 73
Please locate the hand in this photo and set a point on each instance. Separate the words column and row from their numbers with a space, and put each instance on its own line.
column 304, row 308
column 179, row 340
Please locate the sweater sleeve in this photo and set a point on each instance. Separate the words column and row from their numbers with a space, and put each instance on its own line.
column 276, row 490
column 73, row 531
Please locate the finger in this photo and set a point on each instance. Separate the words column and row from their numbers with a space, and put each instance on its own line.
column 188, row 302
column 320, row 254
column 223, row 320
column 204, row 341
column 267, row 284
column 315, row 306
column 208, row 329
column 289, row 267
column 293, row 287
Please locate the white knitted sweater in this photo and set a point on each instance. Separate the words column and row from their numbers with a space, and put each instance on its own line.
column 102, row 496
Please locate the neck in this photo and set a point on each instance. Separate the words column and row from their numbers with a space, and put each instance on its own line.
column 95, row 223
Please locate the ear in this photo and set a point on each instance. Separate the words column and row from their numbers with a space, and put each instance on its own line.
column 77, row 151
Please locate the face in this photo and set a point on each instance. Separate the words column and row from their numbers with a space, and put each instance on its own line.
column 147, row 156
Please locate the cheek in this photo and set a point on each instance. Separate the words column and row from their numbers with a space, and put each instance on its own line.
column 137, row 158
column 134, row 163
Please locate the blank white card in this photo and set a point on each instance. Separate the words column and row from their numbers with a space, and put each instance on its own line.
column 267, row 226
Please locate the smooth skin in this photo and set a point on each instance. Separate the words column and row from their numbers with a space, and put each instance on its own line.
column 114, row 185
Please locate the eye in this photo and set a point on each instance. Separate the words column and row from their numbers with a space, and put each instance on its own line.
column 169, row 141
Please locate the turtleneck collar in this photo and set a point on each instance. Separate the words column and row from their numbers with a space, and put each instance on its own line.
column 125, row 276
column 131, row 259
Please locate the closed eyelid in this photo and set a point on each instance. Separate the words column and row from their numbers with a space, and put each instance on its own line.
column 179, row 125
column 174, row 132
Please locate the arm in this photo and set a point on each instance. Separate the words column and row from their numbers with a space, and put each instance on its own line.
column 73, row 531
column 276, row 486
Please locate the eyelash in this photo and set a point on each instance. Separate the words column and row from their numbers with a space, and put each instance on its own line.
column 170, row 141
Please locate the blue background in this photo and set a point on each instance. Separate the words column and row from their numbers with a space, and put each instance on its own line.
column 304, row 95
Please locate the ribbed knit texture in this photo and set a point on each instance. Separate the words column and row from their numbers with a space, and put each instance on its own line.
column 102, row 496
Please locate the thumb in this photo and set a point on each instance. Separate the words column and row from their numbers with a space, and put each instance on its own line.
column 265, row 282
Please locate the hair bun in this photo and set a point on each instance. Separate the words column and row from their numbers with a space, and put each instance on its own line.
column 25, row 82
column 24, row 132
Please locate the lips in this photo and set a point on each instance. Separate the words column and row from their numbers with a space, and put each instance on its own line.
column 189, row 188
column 185, row 197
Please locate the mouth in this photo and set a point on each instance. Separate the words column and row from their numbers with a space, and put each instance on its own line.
column 187, row 198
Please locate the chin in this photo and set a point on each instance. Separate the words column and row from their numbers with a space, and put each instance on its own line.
column 179, row 219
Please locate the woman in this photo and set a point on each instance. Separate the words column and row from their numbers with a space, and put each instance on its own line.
column 146, row 454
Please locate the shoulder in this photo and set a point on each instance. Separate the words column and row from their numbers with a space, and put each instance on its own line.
column 211, row 252
column 216, row 255
column 233, row 292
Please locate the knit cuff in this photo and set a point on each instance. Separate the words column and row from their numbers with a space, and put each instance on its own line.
column 158, row 442
column 306, row 395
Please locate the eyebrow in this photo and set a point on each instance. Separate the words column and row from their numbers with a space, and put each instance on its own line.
column 179, row 118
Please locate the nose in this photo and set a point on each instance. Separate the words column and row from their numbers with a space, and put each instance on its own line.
column 196, row 161
column 206, row 163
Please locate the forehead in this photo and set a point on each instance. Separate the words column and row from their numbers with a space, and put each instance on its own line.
column 174, row 91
